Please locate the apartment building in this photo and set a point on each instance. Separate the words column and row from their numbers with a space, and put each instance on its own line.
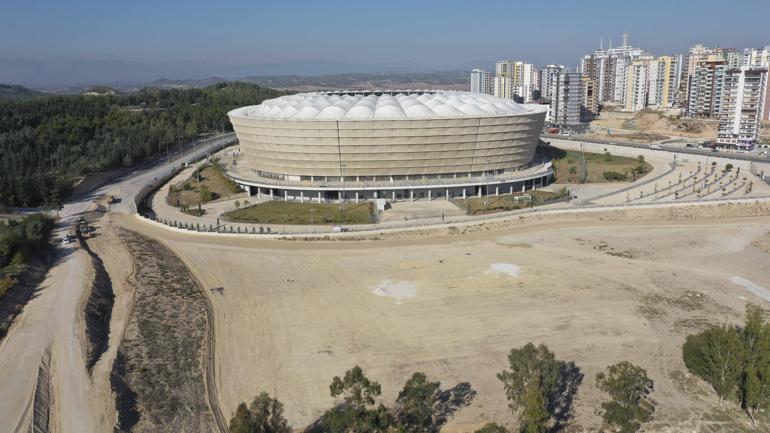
column 590, row 103
column 742, row 104
column 516, row 80
column 482, row 82
column 705, row 89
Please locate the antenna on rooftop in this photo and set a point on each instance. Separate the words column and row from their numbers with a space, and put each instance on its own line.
column 625, row 38
column 601, row 43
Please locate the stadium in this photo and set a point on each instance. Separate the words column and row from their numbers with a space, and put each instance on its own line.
column 395, row 145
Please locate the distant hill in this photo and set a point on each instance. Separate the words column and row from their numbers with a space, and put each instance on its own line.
column 449, row 80
column 12, row 91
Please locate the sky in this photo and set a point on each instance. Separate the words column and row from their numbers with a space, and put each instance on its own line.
column 204, row 38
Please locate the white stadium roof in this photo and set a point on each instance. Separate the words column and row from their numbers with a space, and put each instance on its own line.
column 391, row 105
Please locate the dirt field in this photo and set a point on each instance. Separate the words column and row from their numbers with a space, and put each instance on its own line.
column 649, row 125
column 291, row 315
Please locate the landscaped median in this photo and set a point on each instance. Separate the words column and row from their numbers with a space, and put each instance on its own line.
column 568, row 167
column 508, row 202
column 280, row 212
column 207, row 183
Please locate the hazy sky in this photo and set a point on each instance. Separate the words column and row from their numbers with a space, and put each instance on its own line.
column 426, row 34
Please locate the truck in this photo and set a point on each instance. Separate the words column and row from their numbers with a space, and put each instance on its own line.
column 656, row 147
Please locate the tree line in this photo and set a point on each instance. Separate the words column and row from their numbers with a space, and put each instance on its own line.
column 539, row 389
column 47, row 142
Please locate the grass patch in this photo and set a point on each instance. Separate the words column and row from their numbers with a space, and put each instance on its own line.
column 599, row 167
column 508, row 202
column 280, row 212
column 211, row 185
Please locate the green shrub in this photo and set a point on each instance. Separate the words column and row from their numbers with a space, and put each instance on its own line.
column 614, row 176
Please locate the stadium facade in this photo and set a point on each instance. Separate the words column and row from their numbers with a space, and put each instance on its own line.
column 396, row 145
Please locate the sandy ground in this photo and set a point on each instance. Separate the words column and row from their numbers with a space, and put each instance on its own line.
column 291, row 315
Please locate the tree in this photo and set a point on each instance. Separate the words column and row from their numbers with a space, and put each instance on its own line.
column 534, row 416
column 556, row 380
column 716, row 356
column 355, row 411
column 205, row 194
column 414, row 405
column 264, row 415
column 423, row 407
column 629, row 389
column 755, row 387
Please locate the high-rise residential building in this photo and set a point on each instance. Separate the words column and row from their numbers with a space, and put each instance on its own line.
column 741, row 105
column 482, row 82
column 590, row 103
column 664, row 73
column 549, row 80
column 756, row 57
column 609, row 69
column 637, row 84
column 651, row 82
column 759, row 58
column 569, row 101
column 516, row 80
column 705, row 88
column 503, row 87
column 697, row 54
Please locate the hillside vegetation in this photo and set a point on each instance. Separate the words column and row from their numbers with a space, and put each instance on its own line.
column 47, row 142
column 11, row 91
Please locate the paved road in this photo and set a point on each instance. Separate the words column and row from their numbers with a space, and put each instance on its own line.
column 51, row 319
column 665, row 148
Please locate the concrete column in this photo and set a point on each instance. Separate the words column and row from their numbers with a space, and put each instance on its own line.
column 375, row 194
column 271, row 193
column 447, row 194
column 497, row 191
column 411, row 195
column 463, row 192
column 285, row 195
column 479, row 191
column 511, row 190
column 302, row 196
column 319, row 196
column 356, row 197
column 429, row 194
column 340, row 195
column 524, row 186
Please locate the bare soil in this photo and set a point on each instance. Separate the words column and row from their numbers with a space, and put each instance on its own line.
column 621, row 285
